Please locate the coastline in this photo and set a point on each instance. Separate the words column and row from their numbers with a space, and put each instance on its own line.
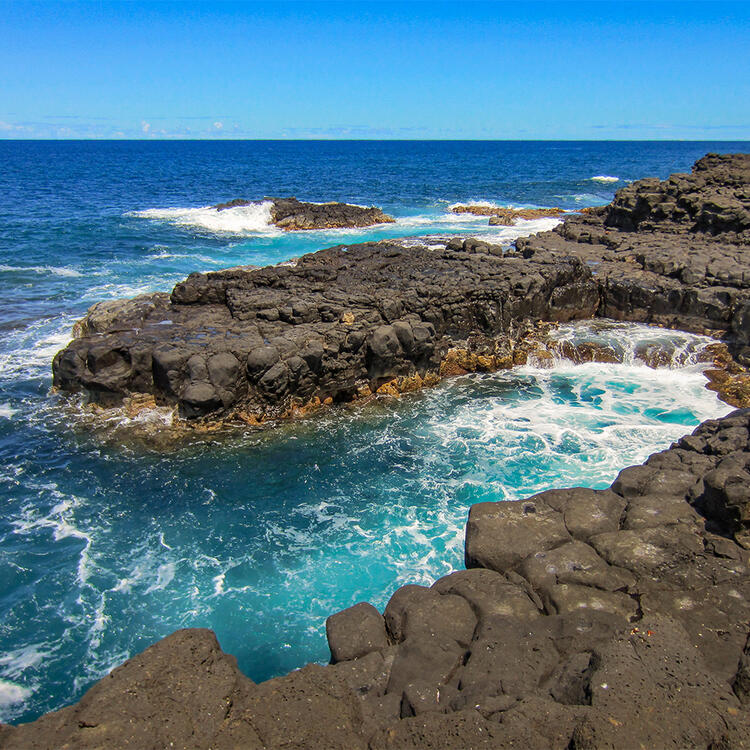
column 418, row 697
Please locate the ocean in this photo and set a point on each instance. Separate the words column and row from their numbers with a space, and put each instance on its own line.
column 108, row 543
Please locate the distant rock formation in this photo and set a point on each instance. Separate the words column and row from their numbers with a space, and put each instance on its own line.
column 506, row 216
column 293, row 215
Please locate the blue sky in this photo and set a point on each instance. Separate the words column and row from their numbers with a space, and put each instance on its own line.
column 590, row 70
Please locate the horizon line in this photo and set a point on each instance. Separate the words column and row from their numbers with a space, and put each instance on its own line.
column 376, row 140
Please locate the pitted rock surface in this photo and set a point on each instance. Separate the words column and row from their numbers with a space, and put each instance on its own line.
column 337, row 322
column 569, row 635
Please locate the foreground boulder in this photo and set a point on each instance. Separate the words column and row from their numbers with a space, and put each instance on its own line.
column 291, row 214
column 585, row 620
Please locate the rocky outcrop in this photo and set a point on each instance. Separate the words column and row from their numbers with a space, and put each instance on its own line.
column 673, row 252
column 505, row 216
column 339, row 324
column 615, row 618
column 292, row 215
column 289, row 213
column 350, row 321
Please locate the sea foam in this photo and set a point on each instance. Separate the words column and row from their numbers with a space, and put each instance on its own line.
column 252, row 219
column 604, row 178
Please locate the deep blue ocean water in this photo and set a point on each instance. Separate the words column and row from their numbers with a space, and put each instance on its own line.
column 107, row 544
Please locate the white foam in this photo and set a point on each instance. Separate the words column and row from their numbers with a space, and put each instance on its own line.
column 604, row 178
column 481, row 203
column 54, row 270
column 252, row 219
column 62, row 524
column 6, row 411
column 29, row 351
column 164, row 576
column 15, row 663
column 11, row 694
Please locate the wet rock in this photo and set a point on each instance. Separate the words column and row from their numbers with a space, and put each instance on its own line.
column 355, row 632
column 291, row 214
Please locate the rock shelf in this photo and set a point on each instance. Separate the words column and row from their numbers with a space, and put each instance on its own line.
column 254, row 345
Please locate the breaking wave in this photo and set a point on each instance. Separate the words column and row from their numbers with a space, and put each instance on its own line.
column 255, row 218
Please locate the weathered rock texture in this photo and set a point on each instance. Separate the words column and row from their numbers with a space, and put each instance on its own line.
column 339, row 323
column 505, row 216
column 585, row 619
column 291, row 214
column 347, row 322
column 675, row 253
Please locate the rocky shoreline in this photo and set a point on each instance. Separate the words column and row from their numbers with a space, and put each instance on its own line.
column 615, row 618
column 585, row 619
column 339, row 325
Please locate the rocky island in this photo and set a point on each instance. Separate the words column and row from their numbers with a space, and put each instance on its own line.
column 616, row 618
column 293, row 215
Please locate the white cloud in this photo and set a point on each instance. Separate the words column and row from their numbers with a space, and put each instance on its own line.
column 218, row 125
column 145, row 126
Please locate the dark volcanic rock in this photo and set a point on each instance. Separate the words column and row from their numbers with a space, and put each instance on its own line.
column 343, row 323
column 583, row 635
column 291, row 214
column 672, row 252
column 337, row 324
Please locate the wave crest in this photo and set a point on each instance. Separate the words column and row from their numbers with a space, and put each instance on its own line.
column 250, row 219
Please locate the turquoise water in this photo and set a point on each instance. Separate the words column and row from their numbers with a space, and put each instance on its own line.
column 108, row 543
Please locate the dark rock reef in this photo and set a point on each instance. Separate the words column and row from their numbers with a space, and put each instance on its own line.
column 347, row 322
column 338, row 324
column 505, row 216
column 585, row 619
column 673, row 252
column 291, row 214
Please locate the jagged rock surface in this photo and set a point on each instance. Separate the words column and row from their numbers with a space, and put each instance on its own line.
column 338, row 321
column 673, row 252
column 343, row 322
column 586, row 619
column 293, row 215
